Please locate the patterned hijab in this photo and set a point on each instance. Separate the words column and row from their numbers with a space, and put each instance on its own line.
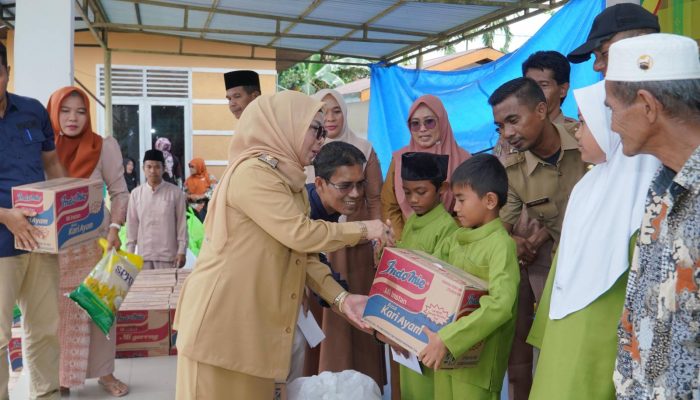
column 79, row 154
column 445, row 145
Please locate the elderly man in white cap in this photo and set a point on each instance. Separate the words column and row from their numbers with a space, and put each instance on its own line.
column 653, row 89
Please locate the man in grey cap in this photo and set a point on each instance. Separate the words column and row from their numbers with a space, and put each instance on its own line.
column 242, row 87
column 615, row 23
column 653, row 87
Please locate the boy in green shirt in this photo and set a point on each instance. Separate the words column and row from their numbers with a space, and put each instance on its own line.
column 423, row 176
column 483, row 248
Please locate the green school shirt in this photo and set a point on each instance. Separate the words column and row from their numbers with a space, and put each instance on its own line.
column 489, row 253
column 424, row 232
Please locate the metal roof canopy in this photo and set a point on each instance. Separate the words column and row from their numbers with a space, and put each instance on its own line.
column 377, row 30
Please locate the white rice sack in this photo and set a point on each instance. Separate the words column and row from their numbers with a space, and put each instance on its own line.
column 346, row 385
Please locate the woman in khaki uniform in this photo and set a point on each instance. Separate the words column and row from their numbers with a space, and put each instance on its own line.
column 238, row 308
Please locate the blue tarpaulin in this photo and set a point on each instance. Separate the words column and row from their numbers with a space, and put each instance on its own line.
column 465, row 93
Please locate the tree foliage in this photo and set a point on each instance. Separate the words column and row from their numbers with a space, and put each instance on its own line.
column 310, row 77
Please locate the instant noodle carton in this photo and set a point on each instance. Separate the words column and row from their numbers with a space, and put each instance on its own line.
column 412, row 290
column 143, row 329
column 14, row 350
column 69, row 210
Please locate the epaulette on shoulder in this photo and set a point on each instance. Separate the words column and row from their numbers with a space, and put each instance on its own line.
column 269, row 160
column 571, row 126
column 513, row 159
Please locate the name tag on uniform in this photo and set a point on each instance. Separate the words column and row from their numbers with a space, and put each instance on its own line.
column 537, row 202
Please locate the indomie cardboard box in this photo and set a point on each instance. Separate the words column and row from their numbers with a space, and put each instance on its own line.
column 412, row 290
column 68, row 210
column 14, row 350
column 143, row 327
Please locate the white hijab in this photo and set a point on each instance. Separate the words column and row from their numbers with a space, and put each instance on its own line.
column 604, row 210
column 346, row 134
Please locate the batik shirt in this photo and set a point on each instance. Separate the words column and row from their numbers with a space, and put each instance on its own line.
column 659, row 347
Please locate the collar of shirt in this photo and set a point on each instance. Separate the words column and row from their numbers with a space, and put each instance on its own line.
column 318, row 211
column 568, row 142
column 10, row 106
column 689, row 176
column 157, row 188
column 469, row 235
column 428, row 218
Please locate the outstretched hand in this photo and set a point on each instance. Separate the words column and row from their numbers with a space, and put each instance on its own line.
column 353, row 308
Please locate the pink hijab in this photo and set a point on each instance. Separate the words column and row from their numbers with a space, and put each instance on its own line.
column 445, row 145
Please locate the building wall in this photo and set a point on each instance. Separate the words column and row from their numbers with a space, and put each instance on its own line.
column 210, row 122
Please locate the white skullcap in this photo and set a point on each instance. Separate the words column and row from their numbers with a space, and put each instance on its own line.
column 654, row 57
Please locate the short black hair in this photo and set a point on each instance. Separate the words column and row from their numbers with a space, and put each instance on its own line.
column 483, row 173
column 3, row 55
column 551, row 60
column 251, row 88
column 526, row 90
column 334, row 155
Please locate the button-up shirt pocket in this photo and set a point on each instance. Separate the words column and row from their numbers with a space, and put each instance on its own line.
column 544, row 212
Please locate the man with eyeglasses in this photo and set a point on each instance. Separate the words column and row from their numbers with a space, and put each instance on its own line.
column 615, row 23
column 337, row 192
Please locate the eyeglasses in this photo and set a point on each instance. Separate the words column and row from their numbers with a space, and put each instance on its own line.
column 346, row 187
column 428, row 123
column 321, row 132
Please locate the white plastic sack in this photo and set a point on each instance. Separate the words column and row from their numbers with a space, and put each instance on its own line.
column 190, row 259
column 346, row 385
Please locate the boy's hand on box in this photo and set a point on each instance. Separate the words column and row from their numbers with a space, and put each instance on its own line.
column 353, row 308
column 433, row 354
column 15, row 219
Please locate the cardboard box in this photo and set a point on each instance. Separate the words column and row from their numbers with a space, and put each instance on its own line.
column 141, row 353
column 69, row 210
column 14, row 350
column 173, row 332
column 411, row 290
column 143, row 327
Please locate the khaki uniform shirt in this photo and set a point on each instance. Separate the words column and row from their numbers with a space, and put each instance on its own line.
column 562, row 119
column 542, row 187
column 238, row 308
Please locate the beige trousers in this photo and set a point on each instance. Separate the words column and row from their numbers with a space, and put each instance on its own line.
column 31, row 281
column 199, row 381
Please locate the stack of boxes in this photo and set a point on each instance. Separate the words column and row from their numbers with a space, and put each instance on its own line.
column 144, row 320
column 174, row 296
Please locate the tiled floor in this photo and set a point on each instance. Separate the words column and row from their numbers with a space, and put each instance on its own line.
column 151, row 378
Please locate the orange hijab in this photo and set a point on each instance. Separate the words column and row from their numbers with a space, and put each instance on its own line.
column 198, row 183
column 79, row 154
column 446, row 145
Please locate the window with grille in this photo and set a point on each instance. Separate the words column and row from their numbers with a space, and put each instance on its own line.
column 147, row 82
